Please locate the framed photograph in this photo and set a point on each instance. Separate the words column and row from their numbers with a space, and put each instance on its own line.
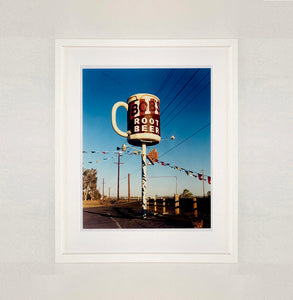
column 146, row 151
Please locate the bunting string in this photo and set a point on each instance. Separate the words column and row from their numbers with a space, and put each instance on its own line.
column 187, row 172
column 191, row 173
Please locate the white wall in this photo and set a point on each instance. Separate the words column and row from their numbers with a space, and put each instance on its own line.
column 27, row 33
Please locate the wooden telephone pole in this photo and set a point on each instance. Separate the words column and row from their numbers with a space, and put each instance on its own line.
column 118, row 179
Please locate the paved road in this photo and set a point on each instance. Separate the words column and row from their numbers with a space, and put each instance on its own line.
column 128, row 215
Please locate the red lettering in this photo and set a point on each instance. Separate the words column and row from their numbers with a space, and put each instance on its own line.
column 142, row 106
column 133, row 110
column 152, row 105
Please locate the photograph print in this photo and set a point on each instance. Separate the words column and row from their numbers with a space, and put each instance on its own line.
column 146, row 148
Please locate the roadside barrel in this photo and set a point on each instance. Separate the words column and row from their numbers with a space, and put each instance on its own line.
column 155, row 205
column 164, row 206
column 195, row 213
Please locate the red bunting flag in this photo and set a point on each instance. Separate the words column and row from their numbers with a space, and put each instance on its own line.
column 188, row 172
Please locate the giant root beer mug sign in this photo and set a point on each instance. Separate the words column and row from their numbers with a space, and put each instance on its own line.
column 143, row 119
column 143, row 129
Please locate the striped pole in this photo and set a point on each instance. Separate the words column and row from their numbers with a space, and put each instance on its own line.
column 143, row 179
column 177, row 207
column 155, row 205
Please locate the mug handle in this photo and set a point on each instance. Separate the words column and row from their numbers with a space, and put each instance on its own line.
column 114, row 124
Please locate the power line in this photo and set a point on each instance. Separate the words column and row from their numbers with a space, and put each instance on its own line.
column 184, row 86
column 196, row 132
column 118, row 82
column 188, row 103
column 175, row 84
column 131, row 173
column 170, row 74
column 122, row 178
column 198, row 83
column 171, row 87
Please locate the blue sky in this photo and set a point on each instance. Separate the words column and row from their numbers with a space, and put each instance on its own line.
column 185, row 104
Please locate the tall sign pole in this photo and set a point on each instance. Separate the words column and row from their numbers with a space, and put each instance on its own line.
column 143, row 129
column 143, row 180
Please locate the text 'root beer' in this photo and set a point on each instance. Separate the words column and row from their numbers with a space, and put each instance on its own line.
column 143, row 119
column 144, row 116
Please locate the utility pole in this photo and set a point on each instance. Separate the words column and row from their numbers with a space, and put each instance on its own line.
column 203, row 182
column 109, row 193
column 118, row 180
column 128, row 187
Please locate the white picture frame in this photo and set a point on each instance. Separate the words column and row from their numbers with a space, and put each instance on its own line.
column 75, row 245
